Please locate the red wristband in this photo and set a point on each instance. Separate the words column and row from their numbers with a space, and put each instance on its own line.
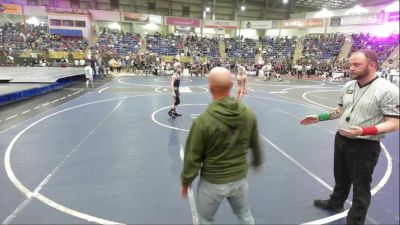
column 369, row 131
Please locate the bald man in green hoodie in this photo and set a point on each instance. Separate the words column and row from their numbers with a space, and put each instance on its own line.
column 217, row 145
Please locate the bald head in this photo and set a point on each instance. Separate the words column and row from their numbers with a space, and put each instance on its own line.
column 220, row 77
column 220, row 81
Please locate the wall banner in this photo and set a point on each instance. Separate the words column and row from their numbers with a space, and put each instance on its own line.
column 362, row 19
column 303, row 23
column 260, row 24
column 314, row 22
column 181, row 21
column 221, row 24
column 144, row 18
column 293, row 23
column 103, row 15
column 393, row 16
column 155, row 19
column 10, row 9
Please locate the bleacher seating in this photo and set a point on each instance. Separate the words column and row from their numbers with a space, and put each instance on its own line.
column 170, row 45
column 236, row 48
column 15, row 38
column 383, row 46
column 278, row 47
column 112, row 41
column 318, row 48
column 203, row 47
column 322, row 46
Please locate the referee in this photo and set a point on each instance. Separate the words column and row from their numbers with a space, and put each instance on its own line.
column 368, row 108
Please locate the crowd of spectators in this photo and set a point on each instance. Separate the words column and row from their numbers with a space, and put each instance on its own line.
column 116, row 43
column 120, row 50
column 15, row 38
column 383, row 46
column 320, row 55
column 322, row 46
column 241, row 47
column 57, row 43
column 202, row 46
column 278, row 50
column 165, row 44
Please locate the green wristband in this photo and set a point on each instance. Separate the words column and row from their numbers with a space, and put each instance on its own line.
column 323, row 116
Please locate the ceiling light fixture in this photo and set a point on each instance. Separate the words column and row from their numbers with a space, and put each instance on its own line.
column 324, row 13
column 357, row 10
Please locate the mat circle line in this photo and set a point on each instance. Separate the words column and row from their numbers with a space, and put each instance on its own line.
column 90, row 218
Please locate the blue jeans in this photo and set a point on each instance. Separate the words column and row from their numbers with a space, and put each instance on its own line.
column 210, row 196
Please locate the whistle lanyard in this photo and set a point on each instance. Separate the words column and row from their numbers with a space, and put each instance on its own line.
column 354, row 98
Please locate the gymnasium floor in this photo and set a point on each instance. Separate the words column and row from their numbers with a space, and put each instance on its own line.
column 112, row 155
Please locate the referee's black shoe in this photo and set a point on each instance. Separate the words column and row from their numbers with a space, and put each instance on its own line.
column 326, row 204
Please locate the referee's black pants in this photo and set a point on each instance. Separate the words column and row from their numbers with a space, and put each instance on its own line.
column 354, row 163
column 299, row 75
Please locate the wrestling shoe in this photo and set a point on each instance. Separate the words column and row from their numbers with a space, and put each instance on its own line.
column 171, row 113
column 175, row 113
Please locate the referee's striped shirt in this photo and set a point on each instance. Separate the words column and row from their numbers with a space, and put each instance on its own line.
column 370, row 103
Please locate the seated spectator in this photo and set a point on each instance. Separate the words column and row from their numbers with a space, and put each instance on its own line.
column 165, row 45
column 10, row 60
column 278, row 50
column 383, row 46
column 116, row 43
column 202, row 47
column 243, row 48
column 18, row 37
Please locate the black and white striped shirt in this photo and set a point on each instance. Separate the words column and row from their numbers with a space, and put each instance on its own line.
column 367, row 105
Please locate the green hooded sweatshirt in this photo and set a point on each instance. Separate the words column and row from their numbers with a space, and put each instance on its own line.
column 218, row 143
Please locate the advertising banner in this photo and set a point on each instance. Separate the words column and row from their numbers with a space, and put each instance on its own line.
column 105, row 15
column 393, row 16
column 10, row 9
column 260, row 24
column 314, row 22
column 181, row 21
column 78, row 55
column 135, row 17
column 58, row 55
column 155, row 19
column 144, row 18
column 302, row 23
column 293, row 24
column 362, row 19
column 221, row 24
